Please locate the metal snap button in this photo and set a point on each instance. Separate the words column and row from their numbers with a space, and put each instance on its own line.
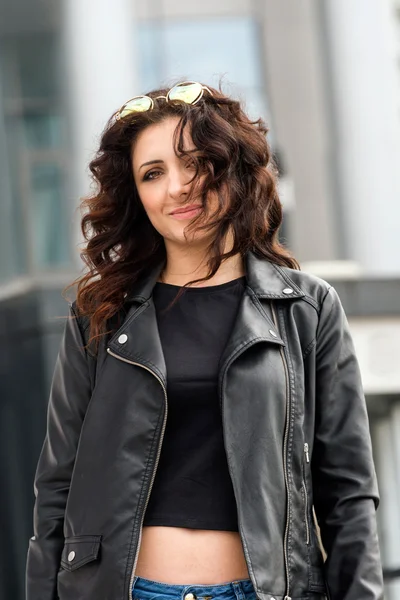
column 273, row 333
column 287, row 291
column 71, row 556
column 122, row 338
column 190, row 596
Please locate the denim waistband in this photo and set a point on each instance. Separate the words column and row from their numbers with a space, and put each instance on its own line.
column 146, row 589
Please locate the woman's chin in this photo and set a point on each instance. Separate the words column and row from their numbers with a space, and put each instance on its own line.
column 191, row 238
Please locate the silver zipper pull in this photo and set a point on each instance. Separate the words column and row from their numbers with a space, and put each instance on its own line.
column 306, row 452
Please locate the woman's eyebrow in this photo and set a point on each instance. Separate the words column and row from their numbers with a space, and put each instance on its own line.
column 151, row 162
column 159, row 160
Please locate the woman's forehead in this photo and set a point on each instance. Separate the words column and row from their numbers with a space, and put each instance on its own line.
column 159, row 138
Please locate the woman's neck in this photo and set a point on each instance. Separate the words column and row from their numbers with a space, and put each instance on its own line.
column 184, row 265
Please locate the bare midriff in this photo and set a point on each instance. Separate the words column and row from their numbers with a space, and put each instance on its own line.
column 187, row 556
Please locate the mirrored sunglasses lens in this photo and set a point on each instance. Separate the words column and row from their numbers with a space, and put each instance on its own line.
column 188, row 93
column 140, row 104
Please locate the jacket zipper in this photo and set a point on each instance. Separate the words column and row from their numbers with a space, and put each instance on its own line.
column 230, row 472
column 155, row 464
column 305, row 494
column 285, row 445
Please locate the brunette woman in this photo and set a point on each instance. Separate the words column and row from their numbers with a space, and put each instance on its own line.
column 207, row 412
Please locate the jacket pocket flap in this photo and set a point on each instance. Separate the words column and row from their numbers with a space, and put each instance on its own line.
column 316, row 580
column 79, row 550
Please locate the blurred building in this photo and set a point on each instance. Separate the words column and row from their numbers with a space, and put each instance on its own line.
column 325, row 76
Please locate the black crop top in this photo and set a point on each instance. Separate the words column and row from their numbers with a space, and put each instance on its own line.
column 192, row 486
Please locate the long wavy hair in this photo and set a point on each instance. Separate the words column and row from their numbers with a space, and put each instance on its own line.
column 236, row 165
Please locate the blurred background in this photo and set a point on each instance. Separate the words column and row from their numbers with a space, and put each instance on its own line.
column 324, row 74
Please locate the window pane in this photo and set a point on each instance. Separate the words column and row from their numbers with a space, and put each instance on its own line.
column 14, row 223
column 42, row 131
column 204, row 51
column 37, row 60
column 34, row 209
column 50, row 236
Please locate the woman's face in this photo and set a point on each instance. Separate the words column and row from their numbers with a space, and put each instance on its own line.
column 162, row 180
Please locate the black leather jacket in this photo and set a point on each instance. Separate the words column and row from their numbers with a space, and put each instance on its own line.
column 296, row 436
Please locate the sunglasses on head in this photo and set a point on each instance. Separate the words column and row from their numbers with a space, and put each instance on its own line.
column 189, row 92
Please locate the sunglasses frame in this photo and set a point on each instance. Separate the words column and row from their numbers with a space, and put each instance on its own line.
column 166, row 98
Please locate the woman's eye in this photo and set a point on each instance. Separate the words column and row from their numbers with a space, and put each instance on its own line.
column 149, row 176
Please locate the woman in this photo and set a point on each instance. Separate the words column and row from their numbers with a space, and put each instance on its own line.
column 218, row 399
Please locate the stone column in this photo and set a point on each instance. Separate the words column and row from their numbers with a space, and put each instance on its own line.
column 362, row 47
column 300, row 119
column 99, row 55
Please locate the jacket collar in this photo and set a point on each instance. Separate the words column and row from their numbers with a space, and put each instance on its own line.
column 137, row 341
column 266, row 279
column 269, row 280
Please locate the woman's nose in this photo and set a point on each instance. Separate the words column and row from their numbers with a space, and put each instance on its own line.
column 178, row 182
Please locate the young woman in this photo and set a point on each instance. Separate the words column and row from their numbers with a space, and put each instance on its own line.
column 206, row 411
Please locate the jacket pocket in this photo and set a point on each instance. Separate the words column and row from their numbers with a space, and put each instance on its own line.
column 79, row 550
column 316, row 581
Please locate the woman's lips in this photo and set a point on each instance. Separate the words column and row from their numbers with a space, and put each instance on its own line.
column 186, row 212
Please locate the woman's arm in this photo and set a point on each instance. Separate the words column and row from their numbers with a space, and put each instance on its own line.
column 344, row 482
column 69, row 397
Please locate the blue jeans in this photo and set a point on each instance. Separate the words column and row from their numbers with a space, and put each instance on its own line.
column 145, row 589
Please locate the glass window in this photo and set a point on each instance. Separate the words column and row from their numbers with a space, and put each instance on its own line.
column 8, row 243
column 37, row 58
column 205, row 50
column 42, row 131
column 13, row 233
column 34, row 144
column 50, row 239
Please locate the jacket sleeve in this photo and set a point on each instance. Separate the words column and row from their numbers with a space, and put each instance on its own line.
column 69, row 397
column 344, row 481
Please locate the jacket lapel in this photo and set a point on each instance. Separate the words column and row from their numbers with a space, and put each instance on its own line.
column 137, row 340
column 252, row 325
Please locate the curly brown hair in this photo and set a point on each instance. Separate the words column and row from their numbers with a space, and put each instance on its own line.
column 233, row 155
